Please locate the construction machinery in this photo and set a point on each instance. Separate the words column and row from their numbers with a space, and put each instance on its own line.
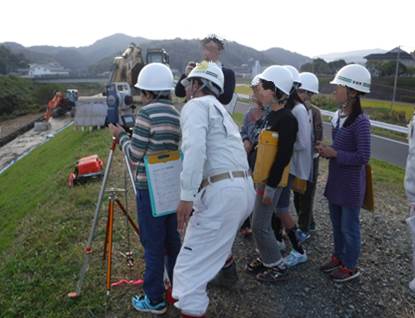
column 61, row 103
column 124, row 76
column 86, row 168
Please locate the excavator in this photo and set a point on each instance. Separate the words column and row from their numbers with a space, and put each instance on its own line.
column 61, row 103
column 123, row 78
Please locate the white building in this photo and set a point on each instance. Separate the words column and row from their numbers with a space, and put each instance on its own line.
column 44, row 70
column 256, row 69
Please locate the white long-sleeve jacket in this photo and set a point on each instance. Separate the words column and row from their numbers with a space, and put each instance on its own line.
column 410, row 164
column 302, row 159
column 211, row 144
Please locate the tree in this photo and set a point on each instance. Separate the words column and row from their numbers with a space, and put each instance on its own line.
column 10, row 62
column 335, row 66
column 317, row 66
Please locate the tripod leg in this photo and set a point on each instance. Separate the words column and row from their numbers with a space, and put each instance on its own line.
column 109, row 245
column 135, row 227
column 88, row 248
column 110, row 206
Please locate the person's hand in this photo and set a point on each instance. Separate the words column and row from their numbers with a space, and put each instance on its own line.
column 269, row 193
column 183, row 211
column 116, row 130
column 189, row 67
column 248, row 146
column 326, row 151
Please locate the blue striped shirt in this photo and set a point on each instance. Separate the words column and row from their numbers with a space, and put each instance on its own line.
column 157, row 128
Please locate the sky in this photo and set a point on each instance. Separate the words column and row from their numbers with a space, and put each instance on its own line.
column 312, row 27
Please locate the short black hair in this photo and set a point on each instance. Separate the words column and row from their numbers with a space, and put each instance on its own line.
column 270, row 85
column 213, row 38
column 157, row 95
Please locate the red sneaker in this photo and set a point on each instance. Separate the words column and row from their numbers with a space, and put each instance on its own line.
column 332, row 265
column 344, row 274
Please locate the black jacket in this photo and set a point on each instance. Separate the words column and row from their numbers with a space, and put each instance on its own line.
column 283, row 122
column 228, row 87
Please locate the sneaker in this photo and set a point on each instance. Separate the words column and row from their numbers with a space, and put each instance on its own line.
column 255, row 267
column 272, row 275
column 227, row 277
column 142, row 303
column 295, row 258
column 302, row 236
column 281, row 245
column 412, row 287
column 245, row 232
column 343, row 274
column 332, row 265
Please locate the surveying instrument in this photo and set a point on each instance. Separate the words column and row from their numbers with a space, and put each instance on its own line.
column 113, row 201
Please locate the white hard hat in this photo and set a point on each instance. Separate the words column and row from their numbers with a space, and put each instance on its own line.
column 309, row 82
column 354, row 76
column 280, row 76
column 155, row 77
column 207, row 70
column 294, row 73
column 255, row 81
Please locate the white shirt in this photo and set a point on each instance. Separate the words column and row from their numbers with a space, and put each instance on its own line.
column 335, row 119
column 211, row 144
column 302, row 159
column 410, row 164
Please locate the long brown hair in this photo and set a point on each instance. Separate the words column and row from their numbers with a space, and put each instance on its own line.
column 356, row 110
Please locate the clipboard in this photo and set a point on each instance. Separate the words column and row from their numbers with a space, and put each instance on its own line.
column 163, row 177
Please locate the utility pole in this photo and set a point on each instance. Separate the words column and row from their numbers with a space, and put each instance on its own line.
column 395, row 83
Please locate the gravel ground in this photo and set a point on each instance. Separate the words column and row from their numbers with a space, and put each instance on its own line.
column 380, row 291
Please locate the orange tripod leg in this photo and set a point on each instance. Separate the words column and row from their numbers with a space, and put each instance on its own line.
column 109, row 244
column 110, row 203
column 135, row 227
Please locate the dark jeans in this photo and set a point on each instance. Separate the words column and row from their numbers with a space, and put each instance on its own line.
column 161, row 243
column 304, row 202
column 346, row 234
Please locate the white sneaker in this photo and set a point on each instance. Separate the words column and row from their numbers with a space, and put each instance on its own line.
column 412, row 287
column 295, row 258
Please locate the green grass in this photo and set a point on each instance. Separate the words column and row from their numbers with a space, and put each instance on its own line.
column 386, row 174
column 407, row 108
column 243, row 89
column 44, row 228
column 238, row 117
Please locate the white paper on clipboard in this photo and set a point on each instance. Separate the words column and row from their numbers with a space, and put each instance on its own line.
column 163, row 178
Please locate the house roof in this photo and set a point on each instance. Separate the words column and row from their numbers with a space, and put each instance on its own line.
column 391, row 55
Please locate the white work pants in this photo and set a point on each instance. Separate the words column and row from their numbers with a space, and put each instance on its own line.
column 219, row 211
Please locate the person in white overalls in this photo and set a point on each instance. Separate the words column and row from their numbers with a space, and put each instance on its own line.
column 215, row 184
column 410, row 191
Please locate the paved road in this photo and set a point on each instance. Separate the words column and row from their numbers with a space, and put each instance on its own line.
column 391, row 151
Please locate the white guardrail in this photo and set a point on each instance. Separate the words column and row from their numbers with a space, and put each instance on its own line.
column 374, row 123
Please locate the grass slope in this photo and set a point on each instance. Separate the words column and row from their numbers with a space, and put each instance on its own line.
column 44, row 228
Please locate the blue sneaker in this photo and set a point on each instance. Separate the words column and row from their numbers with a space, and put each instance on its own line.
column 302, row 236
column 142, row 303
column 295, row 258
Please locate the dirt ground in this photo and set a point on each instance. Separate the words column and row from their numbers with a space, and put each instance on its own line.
column 9, row 126
column 380, row 291
column 29, row 140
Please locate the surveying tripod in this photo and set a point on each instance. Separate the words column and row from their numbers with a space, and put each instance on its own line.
column 113, row 201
